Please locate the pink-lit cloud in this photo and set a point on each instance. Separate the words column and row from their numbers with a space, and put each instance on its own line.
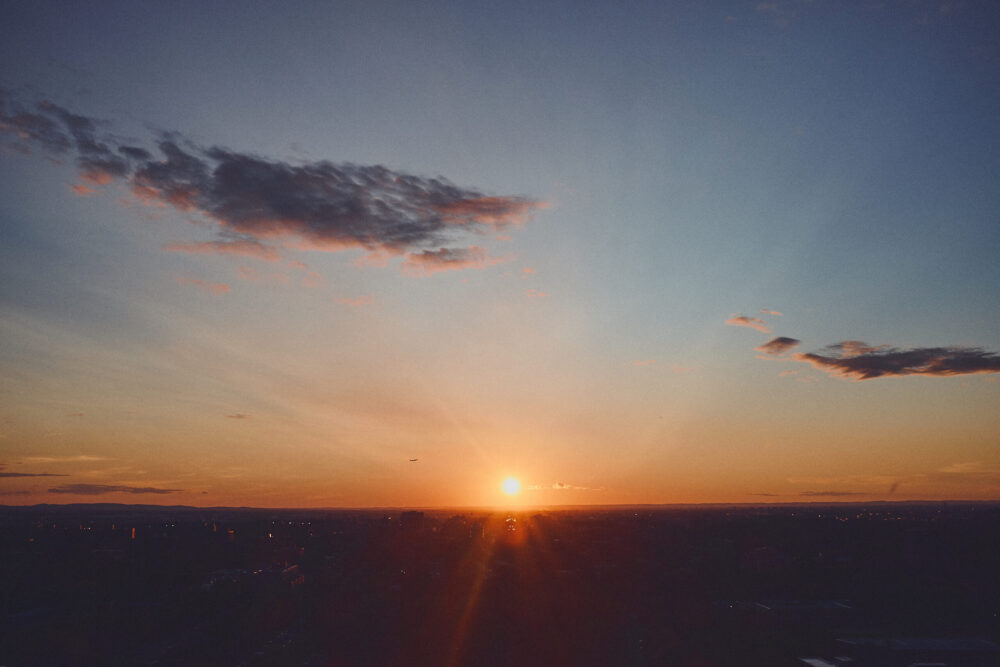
column 535, row 294
column 241, row 247
column 751, row 322
column 250, row 274
column 211, row 288
column 357, row 302
column 311, row 278
column 83, row 190
column 768, row 311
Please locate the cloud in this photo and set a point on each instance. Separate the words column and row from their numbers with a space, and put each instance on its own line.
column 253, row 275
column 63, row 459
column 311, row 279
column 100, row 489
column 324, row 205
column 752, row 322
column 32, row 474
column 429, row 262
column 778, row 346
column 238, row 415
column 317, row 204
column 243, row 247
column 27, row 127
column 830, row 494
column 969, row 468
column 357, row 302
column 560, row 486
column 535, row 294
column 768, row 311
column 860, row 361
column 211, row 288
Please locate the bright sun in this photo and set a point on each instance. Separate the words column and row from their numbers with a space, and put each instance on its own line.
column 511, row 486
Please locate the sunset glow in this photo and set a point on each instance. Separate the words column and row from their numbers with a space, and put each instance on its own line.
column 679, row 252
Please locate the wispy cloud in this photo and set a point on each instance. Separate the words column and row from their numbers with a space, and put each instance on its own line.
column 430, row 262
column 860, row 361
column 644, row 362
column 778, row 346
column 319, row 204
column 830, row 494
column 969, row 468
column 535, row 294
column 238, row 415
column 252, row 275
column 768, row 311
column 560, row 486
column 243, row 247
column 211, row 288
column 63, row 459
column 751, row 322
column 101, row 489
column 357, row 302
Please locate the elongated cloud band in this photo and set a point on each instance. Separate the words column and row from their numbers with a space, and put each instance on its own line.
column 32, row 474
column 860, row 361
column 449, row 259
column 322, row 204
column 100, row 489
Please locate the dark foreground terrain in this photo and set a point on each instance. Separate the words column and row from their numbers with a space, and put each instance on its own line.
column 858, row 585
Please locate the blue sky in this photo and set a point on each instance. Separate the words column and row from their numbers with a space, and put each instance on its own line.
column 651, row 172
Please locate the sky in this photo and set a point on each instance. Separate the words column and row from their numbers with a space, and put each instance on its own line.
column 369, row 254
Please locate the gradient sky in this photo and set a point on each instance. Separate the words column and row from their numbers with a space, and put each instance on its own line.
column 668, row 252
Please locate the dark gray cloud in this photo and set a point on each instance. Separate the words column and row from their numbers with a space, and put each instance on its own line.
column 32, row 474
column 27, row 127
column 778, row 345
column 449, row 259
column 860, row 361
column 100, row 489
column 97, row 163
column 321, row 204
column 830, row 494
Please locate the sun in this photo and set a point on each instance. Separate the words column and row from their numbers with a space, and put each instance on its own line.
column 511, row 486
